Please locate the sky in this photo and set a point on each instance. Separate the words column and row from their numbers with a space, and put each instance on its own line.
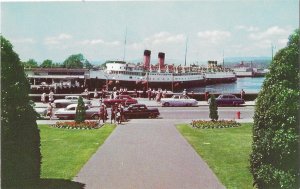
column 209, row 29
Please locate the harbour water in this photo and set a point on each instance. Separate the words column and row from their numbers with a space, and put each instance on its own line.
column 248, row 84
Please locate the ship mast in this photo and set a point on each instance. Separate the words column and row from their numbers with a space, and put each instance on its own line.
column 272, row 48
column 125, row 44
column 186, row 43
column 223, row 60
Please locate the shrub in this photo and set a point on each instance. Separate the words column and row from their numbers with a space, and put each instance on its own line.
column 74, row 125
column 20, row 139
column 201, row 124
column 213, row 109
column 80, row 111
column 275, row 147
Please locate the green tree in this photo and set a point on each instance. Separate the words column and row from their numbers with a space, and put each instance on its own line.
column 213, row 109
column 20, row 139
column 275, row 147
column 74, row 61
column 47, row 64
column 31, row 63
column 87, row 65
column 80, row 111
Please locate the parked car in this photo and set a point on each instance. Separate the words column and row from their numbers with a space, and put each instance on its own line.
column 70, row 111
column 140, row 111
column 228, row 100
column 60, row 103
column 179, row 100
column 126, row 100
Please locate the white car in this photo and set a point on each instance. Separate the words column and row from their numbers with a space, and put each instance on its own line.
column 70, row 112
column 60, row 103
column 179, row 100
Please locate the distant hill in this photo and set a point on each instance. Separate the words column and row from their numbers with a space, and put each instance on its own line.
column 260, row 62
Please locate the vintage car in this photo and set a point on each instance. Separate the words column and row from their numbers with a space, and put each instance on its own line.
column 228, row 100
column 70, row 111
column 60, row 103
column 179, row 100
column 140, row 111
column 126, row 100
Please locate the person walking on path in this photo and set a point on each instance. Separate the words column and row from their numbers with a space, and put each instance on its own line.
column 49, row 110
column 43, row 98
column 119, row 115
column 112, row 115
column 242, row 94
column 102, row 115
column 51, row 96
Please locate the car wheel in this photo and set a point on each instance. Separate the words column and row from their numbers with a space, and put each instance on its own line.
column 151, row 115
column 95, row 117
column 166, row 104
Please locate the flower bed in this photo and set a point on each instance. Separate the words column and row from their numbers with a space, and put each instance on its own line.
column 201, row 124
column 74, row 125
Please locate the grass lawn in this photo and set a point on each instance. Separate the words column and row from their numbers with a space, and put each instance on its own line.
column 65, row 151
column 226, row 151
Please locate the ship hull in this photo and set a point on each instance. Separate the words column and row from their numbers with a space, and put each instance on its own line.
column 140, row 85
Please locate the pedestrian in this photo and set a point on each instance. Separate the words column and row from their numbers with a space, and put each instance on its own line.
column 149, row 93
column 102, row 114
column 95, row 93
column 121, row 110
column 242, row 94
column 87, row 94
column 158, row 96
column 206, row 94
column 51, row 96
column 153, row 93
column 49, row 110
column 43, row 98
column 118, row 115
column 103, row 94
column 184, row 92
column 164, row 93
column 112, row 115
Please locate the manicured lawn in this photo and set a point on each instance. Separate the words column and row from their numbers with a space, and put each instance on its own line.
column 65, row 151
column 226, row 151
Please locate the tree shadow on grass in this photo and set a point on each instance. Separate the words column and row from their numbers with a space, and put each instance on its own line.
column 52, row 184
column 59, row 183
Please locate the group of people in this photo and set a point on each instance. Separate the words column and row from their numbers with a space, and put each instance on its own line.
column 156, row 95
column 50, row 101
column 51, row 97
column 116, row 115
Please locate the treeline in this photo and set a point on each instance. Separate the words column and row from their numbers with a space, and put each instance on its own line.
column 73, row 61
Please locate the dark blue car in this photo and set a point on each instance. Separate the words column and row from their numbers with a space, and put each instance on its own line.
column 228, row 100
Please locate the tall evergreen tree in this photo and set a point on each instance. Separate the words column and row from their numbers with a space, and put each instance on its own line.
column 275, row 147
column 80, row 111
column 213, row 109
column 20, row 139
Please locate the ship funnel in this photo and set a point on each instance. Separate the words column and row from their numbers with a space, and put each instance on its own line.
column 161, row 60
column 147, row 55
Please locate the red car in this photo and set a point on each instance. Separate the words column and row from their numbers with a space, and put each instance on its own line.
column 123, row 99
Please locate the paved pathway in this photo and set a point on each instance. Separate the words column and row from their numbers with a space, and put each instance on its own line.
column 147, row 154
